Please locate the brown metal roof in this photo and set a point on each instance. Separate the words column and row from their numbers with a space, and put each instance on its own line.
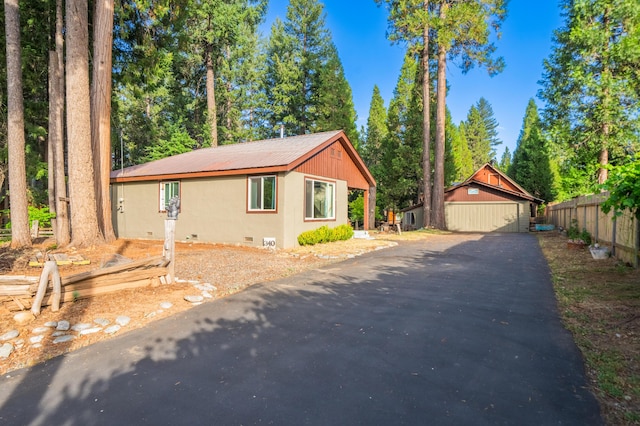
column 268, row 156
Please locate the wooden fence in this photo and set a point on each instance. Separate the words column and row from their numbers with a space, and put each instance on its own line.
column 621, row 234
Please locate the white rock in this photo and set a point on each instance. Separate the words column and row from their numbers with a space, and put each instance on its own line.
column 52, row 324
column 112, row 329
column 166, row 305
column 11, row 334
column 81, row 326
column 5, row 350
column 58, row 333
column 40, row 330
column 36, row 345
column 23, row 317
column 36, row 339
column 123, row 320
column 102, row 322
column 193, row 299
column 90, row 331
column 206, row 295
column 64, row 338
column 63, row 325
column 19, row 343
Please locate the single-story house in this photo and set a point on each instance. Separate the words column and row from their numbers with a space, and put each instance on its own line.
column 255, row 193
column 488, row 201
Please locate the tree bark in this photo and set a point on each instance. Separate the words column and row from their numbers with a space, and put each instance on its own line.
column 101, row 112
column 63, row 235
column 437, row 206
column 84, row 218
column 426, row 126
column 20, row 235
column 211, row 98
column 51, row 143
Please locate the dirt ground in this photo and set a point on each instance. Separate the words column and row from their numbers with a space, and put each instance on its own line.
column 229, row 269
column 599, row 301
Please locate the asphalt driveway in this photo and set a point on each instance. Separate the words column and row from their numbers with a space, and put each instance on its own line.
column 460, row 333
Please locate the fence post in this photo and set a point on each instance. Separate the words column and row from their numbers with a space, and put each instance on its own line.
column 613, row 235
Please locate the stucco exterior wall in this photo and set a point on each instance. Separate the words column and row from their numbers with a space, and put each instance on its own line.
column 214, row 210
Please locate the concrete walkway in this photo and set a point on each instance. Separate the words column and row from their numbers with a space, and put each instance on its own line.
column 463, row 331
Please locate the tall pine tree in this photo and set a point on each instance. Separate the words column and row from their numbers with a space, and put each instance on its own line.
column 531, row 165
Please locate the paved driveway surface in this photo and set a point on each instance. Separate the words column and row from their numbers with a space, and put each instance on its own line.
column 460, row 332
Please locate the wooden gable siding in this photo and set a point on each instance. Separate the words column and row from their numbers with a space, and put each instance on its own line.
column 484, row 194
column 488, row 176
column 334, row 162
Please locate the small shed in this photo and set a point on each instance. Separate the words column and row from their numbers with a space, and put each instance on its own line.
column 262, row 193
column 488, row 201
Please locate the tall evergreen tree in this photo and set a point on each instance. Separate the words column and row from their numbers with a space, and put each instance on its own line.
column 401, row 172
column 505, row 160
column 297, row 50
column 20, row 236
column 458, row 163
column 335, row 100
column 375, row 132
column 591, row 86
column 477, row 137
column 490, row 123
column 531, row 165
column 410, row 21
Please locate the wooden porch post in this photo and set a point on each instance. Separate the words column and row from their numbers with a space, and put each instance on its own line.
column 370, row 208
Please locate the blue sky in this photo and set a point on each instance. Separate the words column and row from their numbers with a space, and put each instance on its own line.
column 359, row 27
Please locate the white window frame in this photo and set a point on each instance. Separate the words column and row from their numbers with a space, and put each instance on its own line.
column 260, row 203
column 164, row 200
column 310, row 204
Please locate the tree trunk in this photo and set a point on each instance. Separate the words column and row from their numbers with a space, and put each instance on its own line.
column 51, row 142
column 63, row 236
column 101, row 112
column 84, row 218
column 426, row 126
column 20, row 235
column 437, row 206
column 211, row 98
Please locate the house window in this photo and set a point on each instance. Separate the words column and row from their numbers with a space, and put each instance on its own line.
column 473, row 191
column 262, row 193
column 167, row 191
column 320, row 199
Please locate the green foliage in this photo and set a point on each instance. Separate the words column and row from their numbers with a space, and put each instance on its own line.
column 624, row 189
column 531, row 164
column 356, row 209
column 477, row 136
column 591, row 87
column 41, row 214
column 574, row 233
column 458, row 161
column 324, row 234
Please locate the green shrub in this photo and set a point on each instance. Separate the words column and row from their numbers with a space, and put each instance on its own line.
column 41, row 214
column 324, row 234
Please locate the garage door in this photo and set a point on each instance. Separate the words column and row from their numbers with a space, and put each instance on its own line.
column 482, row 217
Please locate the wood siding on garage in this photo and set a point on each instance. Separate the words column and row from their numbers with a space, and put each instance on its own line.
column 487, row 216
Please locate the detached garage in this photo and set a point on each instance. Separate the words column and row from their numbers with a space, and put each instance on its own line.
column 489, row 201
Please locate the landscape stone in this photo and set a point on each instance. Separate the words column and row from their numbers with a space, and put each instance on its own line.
column 18, row 343
column 102, row 322
column 166, row 305
column 11, row 334
column 64, row 338
column 194, row 299
column 36, row 339
column 23, row 317
column 112, row 329
column 5, row 350
column 81, row 326
column 63, row 325
column 52, row 324
column 40, row 330
column 123, row 320
column 58, row 333
column 206, row 295
column 90, row 330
